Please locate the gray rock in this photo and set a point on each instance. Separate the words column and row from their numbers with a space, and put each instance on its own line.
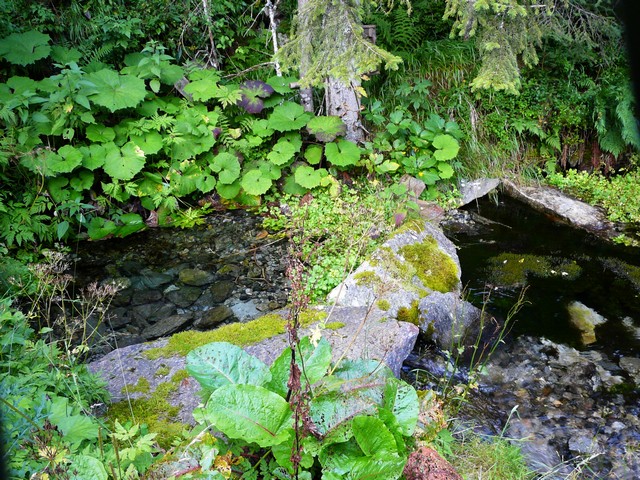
column 472, row 190
column 153, row 279
column 363, row 335
column 245, row 311
column 214, row 317
column 184, row 296
column 632, row 366
column 145, row 296
column 220, row 291
column 142, row 313
column 582, row 443
column 195, row 277
column 449, row 321
column 566, row 208
column 167, row 326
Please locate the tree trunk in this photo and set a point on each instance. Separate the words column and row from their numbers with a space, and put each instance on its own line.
column 342, row 101
column 306, row 93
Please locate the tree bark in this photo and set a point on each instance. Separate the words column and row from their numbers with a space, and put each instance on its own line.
column 342, row 101
column 306, row 94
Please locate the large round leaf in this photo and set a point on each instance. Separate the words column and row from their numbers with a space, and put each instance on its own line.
column 326, row 128
column 309, row 177
column 255, row 183
column 221, row 363
column 127, row 164
column 288, row 116
column 248, row 412
column 342, row 153
column 447, row 147
column 67, row 160
column 100, row 133
column 25, row 48
column 227, row 166
column 115, row 91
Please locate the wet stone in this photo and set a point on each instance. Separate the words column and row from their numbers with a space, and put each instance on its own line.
column 214, row 317
column 167, row 326
column 220, row 291
column 146, row 311
column 145, row 296
column 184, row 296
column 195, row 277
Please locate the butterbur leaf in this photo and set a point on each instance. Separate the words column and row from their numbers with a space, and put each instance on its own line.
column 99, row 228
column 447, row 147
column 95, row 155
column 284, row 151
column 282, row 84
column 309, row 177
column 67, row 160
column 429, row 177
column 85, row 466
column 203, row 85
column 342, row 153
column 114, row 91
column 221, row 363
column 83, row 181
column 125, row 166
column 326, row 128
column 100, row 133
column 313, row 154
column 249, row 412
column 25, row 48
column 63, row 55
column 252, row 93
column 446, row 170
column 227, row 166
column 228, row 191
column 131, row 223
column 150, row 142
column 255, row 183
column 288, row 116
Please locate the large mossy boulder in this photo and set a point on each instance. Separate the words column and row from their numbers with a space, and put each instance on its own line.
column 416, row 261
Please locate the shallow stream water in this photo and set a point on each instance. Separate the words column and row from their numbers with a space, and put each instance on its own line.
column 576, row 402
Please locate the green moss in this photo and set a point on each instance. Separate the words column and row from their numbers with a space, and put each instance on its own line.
column 162, row 371
column 508, row 269
column 155, row 411
column 334, row 325
column 367, row 278
column 413, row 226
column 179, row 376
column 241, row 334
column 142, row 386
column 410, row 315
column 383, row 305
column 435, row 269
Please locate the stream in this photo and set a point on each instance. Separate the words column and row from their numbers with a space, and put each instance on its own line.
column 573, row 394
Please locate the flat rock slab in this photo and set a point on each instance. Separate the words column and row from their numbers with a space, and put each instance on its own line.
column 358, row 334
column 566, row 208
column 473, row 189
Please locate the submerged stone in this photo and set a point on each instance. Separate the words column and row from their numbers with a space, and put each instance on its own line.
column 586, row 320
column 195, row 277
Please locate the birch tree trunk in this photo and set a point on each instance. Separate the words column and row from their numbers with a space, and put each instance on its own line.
column 306, row 93
column 342, row 101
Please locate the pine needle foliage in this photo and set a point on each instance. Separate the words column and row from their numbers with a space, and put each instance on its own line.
column 328, row 40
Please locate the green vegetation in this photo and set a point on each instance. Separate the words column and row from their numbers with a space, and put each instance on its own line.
column 512, row 269
column 435, row 269
column 241, row 334
column 411, row 315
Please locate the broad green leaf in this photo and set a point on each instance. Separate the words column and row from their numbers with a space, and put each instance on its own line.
column 281, row 84
column 402, row 400
column 100, row 228
column 150, row 142
column 21, row 85
column 313, row 154
column 291, row 187
column 326, row 128
column 249, row 412
column 56, row 189
column 284, row 151
column 270, row 170
column 288, row 116
column 205, row 183
column 114, row 91
column 67, row 160
column 63, row 55
column 95, row 155
column 85, row 466
column 255, row 183
column 446, row 170
column 62, row 229
column 100, row 133
column 184, row 181
column 373, row 436
column 125, row 166
column 221, row 363
column 82, row 181
column 261, row 128
column 309, row 177
column 39, row 162
column 429, row 177
column 203, row 85
column 342, row 153
column 228, row 191
column 387, row 166
column 131, row 223
column 227, row 166
column 25, row 48
column 282, row 454
column 313, row 361
column 447, row 147
column 338, row 459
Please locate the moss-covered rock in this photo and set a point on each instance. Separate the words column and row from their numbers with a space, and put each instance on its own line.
column 586, row 320
column 512, row 269
column 435, row 269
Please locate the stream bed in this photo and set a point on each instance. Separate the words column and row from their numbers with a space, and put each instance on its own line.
column 570, row 390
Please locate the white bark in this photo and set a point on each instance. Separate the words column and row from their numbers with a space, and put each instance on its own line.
column 342, row 101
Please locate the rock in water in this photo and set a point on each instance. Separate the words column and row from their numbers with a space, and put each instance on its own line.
column 586, row 320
